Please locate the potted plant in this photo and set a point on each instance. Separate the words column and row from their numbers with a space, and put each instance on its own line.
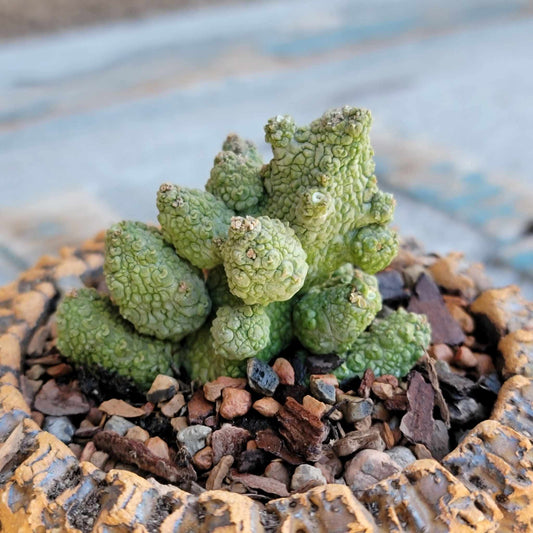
column 275, row 263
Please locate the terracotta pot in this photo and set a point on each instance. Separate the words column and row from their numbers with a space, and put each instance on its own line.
column 486, row 484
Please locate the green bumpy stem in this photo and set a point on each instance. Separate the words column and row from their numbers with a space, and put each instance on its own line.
column 240, row 332
column 201, row 360
column 263, row 260
column 235, row 176
column 391, row 346
column 321, row 182
column 90, row 331
column 160, row 293
column 194, row 222
column 373, row 247
column 329, row 317
column 279, row 313
column 204, row 361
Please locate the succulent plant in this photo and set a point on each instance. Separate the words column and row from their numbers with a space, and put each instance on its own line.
column 288, row 250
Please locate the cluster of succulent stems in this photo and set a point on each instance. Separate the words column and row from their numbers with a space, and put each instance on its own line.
column 267, row 255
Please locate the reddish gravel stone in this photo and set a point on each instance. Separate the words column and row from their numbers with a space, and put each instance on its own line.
column 284, row 370
column 137, row 433
column 158, row 447
column 383, row 391
column 37, row 417
column 87, row 452
column 120, row 408
column 213, row 389
column 277, row 470
column 235, row 402
column 228, row 440
column 442, row 352
column 56, row 371
column 203, row 459
column 58, row 400
column 199, row 408
column 267, row 406
column 219, row 472
column 484, row 364
column 330, row 465
column 464, row 358
column 314, row 406
column 460, row 316
column 95, row 416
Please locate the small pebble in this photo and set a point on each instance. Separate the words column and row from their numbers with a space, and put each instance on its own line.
column 173, row 406
column 179, row 422
column 137, row 433
column 228, row 440
column 60, row 426
column 235, row 402
column 484, row 364
column 261, row 377
column 199, row 408
column 277, row 470
column 203, row 459
column 219, row 472
column 213, row 389
column 322, row 390
column 387, row 435
column 163, row 388
column 99, row 458
column 194, row 437
column 335, row 415
column 442, row 352
column 158, row 447
column 355, row 409
column 367, row 468
column 120, row 408
column 284, row 370
column 267, row 406
column 383, row 391
column 37, row 417
column 35, row 372
column 329, row 464
column 118, row 425
column 380, row 412
column 87, row 451
column 421, row 451
column 401, row 455
column 62, row 369
column 95, row 416
column 76, row 449
column 461, row 317
column 363, row 424
column 304, row 475
column 314, row 406
column 464, row 358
